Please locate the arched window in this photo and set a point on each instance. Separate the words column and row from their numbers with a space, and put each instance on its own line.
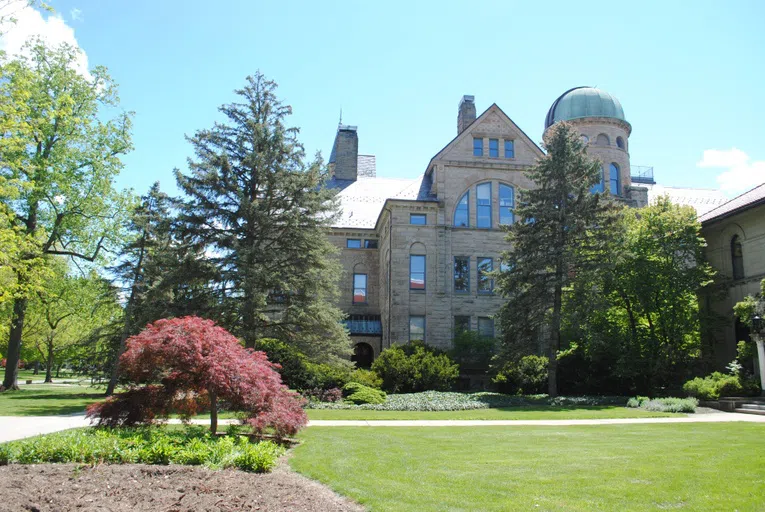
column 601, row 185
column 585, row 139
column 603, row 140
column 737, row 257
column 614, row 178
column 620, row 142
column 506, row 204
column 462, row 211
column 483, row 205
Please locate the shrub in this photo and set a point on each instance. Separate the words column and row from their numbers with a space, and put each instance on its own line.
column 185, row 365
column 713, row 386
column 472, row 351
column 361, row 394
column 415, row 367
column 670, row 404
column 366, row 377
column 324, row 395
column 297, row 371
column 527, row 375
column 326, row 376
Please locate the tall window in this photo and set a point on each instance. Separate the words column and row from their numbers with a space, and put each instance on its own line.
column 620, row 142
column 461, row 324
column 506, row 204
column 370, row 244
column 483, row 205
column 601, row 185
column 419, row 219
column 416, row 272
column 461, row 274
column 416, row 328
column 359, row 288
column 737, row 257
column 353, row 243
column 486, row 326
column 494, row 148
column 485, row 282
column 614, row 178
column 477, row 146
column 462, row 211
column 509, row 149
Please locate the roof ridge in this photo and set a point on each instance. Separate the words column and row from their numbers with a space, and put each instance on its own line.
column 734, row 198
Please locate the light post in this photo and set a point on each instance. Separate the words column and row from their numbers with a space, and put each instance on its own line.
column 758, row 326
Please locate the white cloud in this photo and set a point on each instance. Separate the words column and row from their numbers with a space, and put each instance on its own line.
column 30, row 22
column 740, row 174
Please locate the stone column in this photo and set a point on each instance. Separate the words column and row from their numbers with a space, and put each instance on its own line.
column 761, row 359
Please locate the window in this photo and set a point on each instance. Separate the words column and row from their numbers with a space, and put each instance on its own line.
column 353, row 243
column 462, row 211
column 509, row 149
column 461, row 274
column 600, row 186
column 494, row 148
column 486, row 326
column 603, row 140
column 363, row 324
column 359, row 288
column 483, row 208
column 416, row 272
column 506, row 204
column 370, row 244
column 620, row 142
column 737, row 257
column 418, row 218
column 461, row 324
column 416, row 328
column 477, row 146
column 485, row 283
column 614, row 178
column 585, row 139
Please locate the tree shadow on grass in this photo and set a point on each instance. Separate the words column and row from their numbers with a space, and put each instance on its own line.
column 45, row 403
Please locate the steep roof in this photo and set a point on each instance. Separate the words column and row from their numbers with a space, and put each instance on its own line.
column 701, row 199
column 748, row 199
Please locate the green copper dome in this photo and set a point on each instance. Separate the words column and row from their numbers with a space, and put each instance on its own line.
column 581, row 102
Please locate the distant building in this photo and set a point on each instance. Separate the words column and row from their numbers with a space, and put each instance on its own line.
column 416, row 252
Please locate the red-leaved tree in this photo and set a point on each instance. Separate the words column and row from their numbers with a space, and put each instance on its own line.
column 190, row 365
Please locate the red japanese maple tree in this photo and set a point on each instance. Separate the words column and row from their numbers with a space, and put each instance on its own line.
column 189, row 365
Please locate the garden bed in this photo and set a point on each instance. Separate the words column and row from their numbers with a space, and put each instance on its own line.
column 135, row 487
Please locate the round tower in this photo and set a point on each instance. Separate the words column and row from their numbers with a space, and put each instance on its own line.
column 599, row 117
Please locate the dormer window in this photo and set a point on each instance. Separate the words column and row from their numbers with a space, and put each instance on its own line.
column 509, row 149
column 493, row 148
column 477, row 146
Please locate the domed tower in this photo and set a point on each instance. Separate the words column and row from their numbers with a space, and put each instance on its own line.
column 599, row 117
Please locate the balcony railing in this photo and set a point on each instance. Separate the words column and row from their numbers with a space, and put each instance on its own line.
column 642, row 174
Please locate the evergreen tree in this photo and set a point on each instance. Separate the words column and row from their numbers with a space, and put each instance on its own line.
column 258, row 214
column 562, row 229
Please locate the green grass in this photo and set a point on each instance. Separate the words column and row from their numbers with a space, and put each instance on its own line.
column 607, row 467
column 48, row 400
column 541, row 412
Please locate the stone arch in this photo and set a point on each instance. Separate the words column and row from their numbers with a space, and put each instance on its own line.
column 363, row 355
column 417, row 248
column 603, row 140
column 360, row 268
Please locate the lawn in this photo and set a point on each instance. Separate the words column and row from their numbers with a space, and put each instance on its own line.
column 48, row 399
column 537, row 412
column 607, row 467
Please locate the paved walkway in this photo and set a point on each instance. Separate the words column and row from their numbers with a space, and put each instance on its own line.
column 19, row 427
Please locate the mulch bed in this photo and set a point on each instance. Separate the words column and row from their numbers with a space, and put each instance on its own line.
column 138, row 487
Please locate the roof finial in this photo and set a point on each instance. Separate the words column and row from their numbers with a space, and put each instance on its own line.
column 340, row 123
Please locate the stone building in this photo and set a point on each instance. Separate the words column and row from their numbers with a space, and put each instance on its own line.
column 735, row 235
column 416, row 252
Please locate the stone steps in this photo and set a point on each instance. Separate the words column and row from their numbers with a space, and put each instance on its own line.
column 752, row 407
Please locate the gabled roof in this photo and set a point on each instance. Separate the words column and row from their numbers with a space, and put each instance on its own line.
column 748, row 199
column 701, row 199
column 466, row 132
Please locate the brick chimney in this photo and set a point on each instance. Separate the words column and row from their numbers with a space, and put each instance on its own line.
column 343, row 162
column 466, row 113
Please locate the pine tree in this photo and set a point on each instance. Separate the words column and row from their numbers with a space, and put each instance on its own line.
column 562, row 229
column 259, row 215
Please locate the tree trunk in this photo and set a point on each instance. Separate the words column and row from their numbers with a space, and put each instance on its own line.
column 552, row 367
column 49, row 362
column 14, row 344
column 37, row 368
column 213, row 412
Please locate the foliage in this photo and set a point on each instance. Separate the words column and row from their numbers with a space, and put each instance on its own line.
column 257, row 213
column 526, row 376
column 713, row 386
column 366, row 377
column 185, row 365
column 191, row 446
column 360, row 394
column 562, row 229
column 323, row 395
column 298, row 372
column 670, row 404
column 415, row 367
column 61, row 157
column 471, row 350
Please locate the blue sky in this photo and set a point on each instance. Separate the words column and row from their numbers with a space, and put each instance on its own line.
column 689, row 75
